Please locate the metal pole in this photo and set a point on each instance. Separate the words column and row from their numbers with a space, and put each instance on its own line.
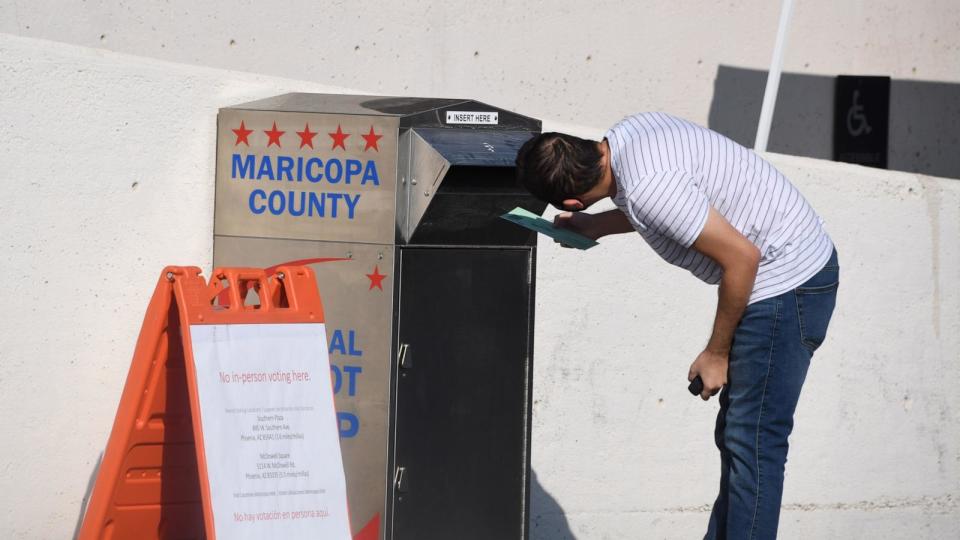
column 773, row 79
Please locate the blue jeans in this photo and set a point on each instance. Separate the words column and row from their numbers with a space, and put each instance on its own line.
column 769, row 358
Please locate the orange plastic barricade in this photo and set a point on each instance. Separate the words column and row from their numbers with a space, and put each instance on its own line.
column 153, row 481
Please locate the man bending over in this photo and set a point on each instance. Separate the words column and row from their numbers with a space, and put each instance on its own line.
column 707, row 204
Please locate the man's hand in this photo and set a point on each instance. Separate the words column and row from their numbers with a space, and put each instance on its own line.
column 712, row 369
column 578, row 222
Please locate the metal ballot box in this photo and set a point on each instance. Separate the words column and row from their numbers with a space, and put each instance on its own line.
column 428, row 294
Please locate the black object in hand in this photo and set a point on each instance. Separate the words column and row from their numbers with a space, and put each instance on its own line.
column 696, row 386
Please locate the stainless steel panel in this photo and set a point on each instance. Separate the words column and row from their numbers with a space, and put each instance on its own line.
column 426, row 171
column 284, row 175
column 403, row 183
column 358, row 317
column 349, row 104
column 486, row 148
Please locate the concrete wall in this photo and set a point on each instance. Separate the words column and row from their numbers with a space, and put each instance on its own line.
column 107, row 176
column 923, row 131
column 108, row 166
column 578, row 62
column 621, row 447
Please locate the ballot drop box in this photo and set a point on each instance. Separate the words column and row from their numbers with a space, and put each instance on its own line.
column 394, row 203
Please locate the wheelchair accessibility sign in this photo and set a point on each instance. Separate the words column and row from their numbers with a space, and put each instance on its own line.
column 857, row 121
column 861, row 116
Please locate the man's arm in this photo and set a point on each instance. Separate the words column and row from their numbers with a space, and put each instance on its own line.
column 739, row 259
column 594, row 225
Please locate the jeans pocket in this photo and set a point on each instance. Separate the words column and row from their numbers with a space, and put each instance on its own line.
column 814, row 309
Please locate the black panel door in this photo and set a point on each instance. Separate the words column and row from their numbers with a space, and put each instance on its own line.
column 462, row 416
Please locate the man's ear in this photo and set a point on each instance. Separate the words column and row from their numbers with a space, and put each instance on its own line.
column 573, row 205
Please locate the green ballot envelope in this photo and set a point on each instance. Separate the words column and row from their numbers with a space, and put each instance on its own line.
column 528, row 219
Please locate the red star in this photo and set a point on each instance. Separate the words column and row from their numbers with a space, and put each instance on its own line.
column 242, row 133
column 338, row 138
column 371, row 139
column 306, row 136
column 274, row 135
column 376, row 278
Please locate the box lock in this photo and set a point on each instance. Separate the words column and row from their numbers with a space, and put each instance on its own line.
column 402, row 480
column 404, row 357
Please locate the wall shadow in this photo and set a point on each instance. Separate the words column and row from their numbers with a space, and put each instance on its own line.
column 924, row 118
column 548, row 521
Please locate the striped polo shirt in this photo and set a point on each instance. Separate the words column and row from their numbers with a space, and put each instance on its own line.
column 668, row 171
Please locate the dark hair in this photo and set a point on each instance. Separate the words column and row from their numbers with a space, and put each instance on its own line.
column 556, row 166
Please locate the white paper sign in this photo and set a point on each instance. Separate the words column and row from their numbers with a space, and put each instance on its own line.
column 270, row 431
column 473, row 117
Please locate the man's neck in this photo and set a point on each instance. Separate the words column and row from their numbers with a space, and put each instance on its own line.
column 608, row 181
